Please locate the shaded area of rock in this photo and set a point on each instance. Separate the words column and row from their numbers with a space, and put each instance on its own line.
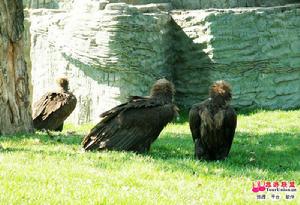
column 256, row 50
column 176, row 4
column 119, row 49
column 107, row 54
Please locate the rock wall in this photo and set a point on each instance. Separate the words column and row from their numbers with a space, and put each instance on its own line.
column 107, row 54
column 176, row 4
column 49, row 4
column 112, row 50
column 205, row 4
column 256, row 50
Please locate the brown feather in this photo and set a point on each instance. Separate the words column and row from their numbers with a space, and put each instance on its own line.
column 213, row 123
column 63, row 83
column 52, row 110
column 134, row 125
column 220, row 89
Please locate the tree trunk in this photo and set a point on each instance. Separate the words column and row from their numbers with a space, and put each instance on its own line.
column 15, row 105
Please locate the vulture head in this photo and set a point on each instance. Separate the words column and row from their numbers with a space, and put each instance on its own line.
column 163, row 89
column 220, row 92
column 63, row 83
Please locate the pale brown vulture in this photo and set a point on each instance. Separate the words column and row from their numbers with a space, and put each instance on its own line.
column 134, row 125
column 213, row 123
column 53, row 108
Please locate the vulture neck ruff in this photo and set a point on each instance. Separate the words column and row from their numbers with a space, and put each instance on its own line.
column 220, row 94
column 63, row 90
column 163, row 90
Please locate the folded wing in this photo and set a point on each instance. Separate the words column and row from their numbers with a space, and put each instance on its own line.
column 52, row 109
column 131, row 126
column 230, row 122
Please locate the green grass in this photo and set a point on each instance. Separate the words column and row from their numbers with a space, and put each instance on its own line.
column 37, row 169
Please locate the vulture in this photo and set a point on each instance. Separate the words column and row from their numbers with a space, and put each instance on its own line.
column 53, row 108
column 212, row 123
column 134, row 125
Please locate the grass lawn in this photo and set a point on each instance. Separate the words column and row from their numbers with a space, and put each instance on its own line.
column 38, row 169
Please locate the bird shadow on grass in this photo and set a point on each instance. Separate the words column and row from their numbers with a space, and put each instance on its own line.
column 250, row 155
column 44, row 138
column 252, row 111
column 38, row 141
column 41, row 151
column 272, row 153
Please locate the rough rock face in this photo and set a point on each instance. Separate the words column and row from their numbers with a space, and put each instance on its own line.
column 204, row 4
column 112, row 50
column 50, row 4
column 256, row 50
column 177, row 4
column 107, row 54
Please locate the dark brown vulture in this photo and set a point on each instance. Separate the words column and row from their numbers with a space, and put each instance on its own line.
column 53, row 108
column 213, row 123
column 134, row 125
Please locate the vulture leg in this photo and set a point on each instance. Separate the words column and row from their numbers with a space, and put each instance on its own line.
column 60, row 128
column 199, row 150
column 142, row 148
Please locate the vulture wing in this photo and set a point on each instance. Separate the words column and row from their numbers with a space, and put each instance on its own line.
column 48, row 103
column 195, row 122
column 230, row 122
column 52, row 110
column 130, row 126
